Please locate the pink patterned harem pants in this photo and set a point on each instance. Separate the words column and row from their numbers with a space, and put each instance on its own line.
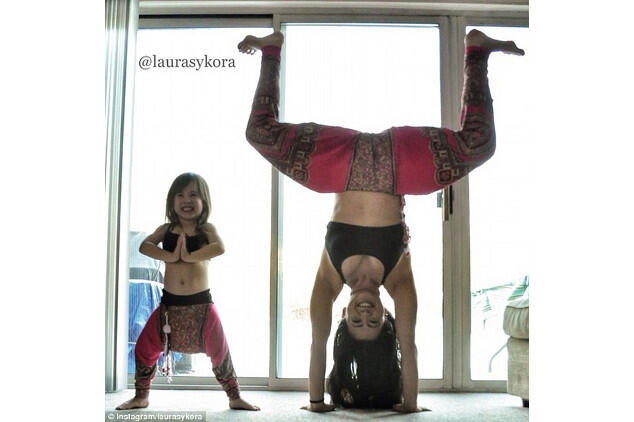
column 194, row 329
column 400, row 160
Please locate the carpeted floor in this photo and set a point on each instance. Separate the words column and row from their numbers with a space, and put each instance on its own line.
column 282, row 406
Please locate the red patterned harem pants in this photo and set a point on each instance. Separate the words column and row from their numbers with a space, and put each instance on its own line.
column 400, row 160
column 194, row 329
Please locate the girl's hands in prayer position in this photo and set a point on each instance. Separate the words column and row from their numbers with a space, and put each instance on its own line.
column 175, row 256
column 184, row 253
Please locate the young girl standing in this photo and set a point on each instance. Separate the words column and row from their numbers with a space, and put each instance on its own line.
column 186, row 320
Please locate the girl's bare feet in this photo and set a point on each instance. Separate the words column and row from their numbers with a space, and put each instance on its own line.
column 134, row 403
column 250, row 44
column 242, row 404
column 479, row 39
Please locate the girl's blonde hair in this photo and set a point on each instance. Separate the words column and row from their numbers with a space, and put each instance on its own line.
column 177, row 186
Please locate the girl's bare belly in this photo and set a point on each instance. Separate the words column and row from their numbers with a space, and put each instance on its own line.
column 184, row 278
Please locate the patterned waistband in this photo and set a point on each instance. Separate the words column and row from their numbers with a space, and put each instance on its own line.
column 199, row 298
column 372, row 167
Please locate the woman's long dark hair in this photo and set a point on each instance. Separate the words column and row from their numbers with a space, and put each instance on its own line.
column 366, row 373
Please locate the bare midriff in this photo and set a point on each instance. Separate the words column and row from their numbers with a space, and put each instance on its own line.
column 183, row 278
column 372, row 209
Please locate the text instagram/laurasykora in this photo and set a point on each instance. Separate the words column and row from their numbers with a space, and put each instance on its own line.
column 190, row 63
column 160, row 416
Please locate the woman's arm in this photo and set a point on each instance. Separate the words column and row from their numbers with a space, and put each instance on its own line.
column 214, row 248
column 405, row 304
column 149, row 246
column 403, row 292
column 321, row 300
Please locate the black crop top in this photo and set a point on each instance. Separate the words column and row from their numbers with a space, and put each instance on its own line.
column 384, row 243
column 193, row 242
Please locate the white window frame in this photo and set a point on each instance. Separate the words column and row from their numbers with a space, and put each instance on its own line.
column 459, row 230
column 452, row 21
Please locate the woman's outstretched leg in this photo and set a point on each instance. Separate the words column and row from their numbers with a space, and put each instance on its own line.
column 428, row 158
column 402, row 160
column 264, row 127
column 264, row 131
column 476, row 137
column 313, row 155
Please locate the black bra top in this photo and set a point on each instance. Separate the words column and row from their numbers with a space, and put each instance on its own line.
column 193, row 242
column 384, row 243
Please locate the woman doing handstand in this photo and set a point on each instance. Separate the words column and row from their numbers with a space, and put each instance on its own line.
column 375, row 363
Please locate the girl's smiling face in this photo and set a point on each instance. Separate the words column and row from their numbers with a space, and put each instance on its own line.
column 188, row 203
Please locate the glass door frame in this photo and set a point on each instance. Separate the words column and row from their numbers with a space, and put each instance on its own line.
column 459, row 229
column 206, row 382
column 424, row 384
column 456, row 286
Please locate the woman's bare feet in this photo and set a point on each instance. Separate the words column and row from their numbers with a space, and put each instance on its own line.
column 479, row 39
column 242, row 404
column 134, row 403
column 250, row 44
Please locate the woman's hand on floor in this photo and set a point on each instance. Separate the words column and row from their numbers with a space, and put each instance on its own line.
column 319, row 407
column 403, row 409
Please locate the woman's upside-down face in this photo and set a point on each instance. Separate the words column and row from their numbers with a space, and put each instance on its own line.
column 364, row 315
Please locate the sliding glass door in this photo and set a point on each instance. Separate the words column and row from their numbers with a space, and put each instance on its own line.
column 368, row 78
column 500, row 210
column 192, row 119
